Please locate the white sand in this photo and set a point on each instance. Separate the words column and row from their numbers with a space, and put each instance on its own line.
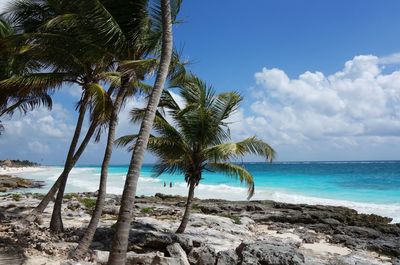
column 324, row 247
column 16, row 170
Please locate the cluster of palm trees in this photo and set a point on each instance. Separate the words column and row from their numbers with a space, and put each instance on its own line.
column 108, row 48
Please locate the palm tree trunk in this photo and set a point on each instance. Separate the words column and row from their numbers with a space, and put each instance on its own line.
column 188, row 208
column 86, row 240
column 53, row 190
column 120, row 241
column 56, row 224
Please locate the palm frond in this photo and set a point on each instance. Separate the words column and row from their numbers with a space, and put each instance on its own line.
column 237, row 172
column 138, row 68
column 251, row 145
column 25, row 104
column 5, row 28
column 36, row 83
column 100, row 101
column 126, row 140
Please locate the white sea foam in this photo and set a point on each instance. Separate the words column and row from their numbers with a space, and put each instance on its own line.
column 387, row 210
column 86, row 179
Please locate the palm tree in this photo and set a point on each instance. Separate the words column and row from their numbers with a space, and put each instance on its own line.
column 120, row 35
column 72, row 59
column 120, row 241
column 139, row 23
column 197, row 138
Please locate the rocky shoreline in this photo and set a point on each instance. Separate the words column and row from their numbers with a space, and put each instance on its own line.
column 220, row 232
column 11, row 183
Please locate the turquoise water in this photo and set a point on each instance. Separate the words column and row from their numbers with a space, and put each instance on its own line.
column 368, row 187
column 368, row 181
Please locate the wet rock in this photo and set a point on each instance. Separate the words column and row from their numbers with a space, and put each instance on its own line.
column 8, row 183
column 271, row 252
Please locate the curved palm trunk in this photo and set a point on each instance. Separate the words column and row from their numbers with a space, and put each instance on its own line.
column 120, row 241
column 56, row 221
column 188, row 209
column 86, row 240
column 53, row 190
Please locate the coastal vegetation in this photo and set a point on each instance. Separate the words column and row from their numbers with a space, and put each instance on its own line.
column 112, row 50
column 195, row 137
column 18, row 163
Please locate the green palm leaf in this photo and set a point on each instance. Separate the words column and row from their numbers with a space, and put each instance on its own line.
column 251, row 145
column 237, row 172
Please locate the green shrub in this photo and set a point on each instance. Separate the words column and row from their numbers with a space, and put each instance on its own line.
column 38, row 196
column 70, row 196
column 147, row 210
column 236, row 220
column 89, row 203
column 16, row 197
column 73, row 207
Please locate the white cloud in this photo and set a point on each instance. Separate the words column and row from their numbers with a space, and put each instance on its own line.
column 390, row 59
column 352, row 114
column 39, row 133
column 354, row 108
column 39, row 148
column 3, row 5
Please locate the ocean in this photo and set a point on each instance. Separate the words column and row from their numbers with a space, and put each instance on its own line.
column 366, row 186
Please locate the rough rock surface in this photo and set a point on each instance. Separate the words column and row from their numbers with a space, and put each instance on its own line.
column 176, row 251
column 271, row 252
column 8, row 183
column 219, row 232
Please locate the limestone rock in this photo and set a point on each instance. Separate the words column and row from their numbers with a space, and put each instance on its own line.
column 176, row 251
column 227, row 257
column 274, row 253
column 202, row 256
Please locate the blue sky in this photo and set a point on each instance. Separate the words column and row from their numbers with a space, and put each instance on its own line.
column 320, row 80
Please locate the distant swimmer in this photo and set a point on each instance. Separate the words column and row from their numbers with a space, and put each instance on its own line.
column 170, row 184
column 165, row 184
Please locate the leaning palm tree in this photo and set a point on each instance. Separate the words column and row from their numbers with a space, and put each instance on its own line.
column 120, row 241
column 195, row 138
column 138, row 21
column 71, row 58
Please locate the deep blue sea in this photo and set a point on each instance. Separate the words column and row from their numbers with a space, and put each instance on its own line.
column 367, row 186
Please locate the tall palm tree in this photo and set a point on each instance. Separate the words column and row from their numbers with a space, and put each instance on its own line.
column 197, row 138
column 72, row 59
column 120, row 241
column 141, row 38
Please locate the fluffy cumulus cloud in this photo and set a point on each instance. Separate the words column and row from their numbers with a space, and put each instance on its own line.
column 41, row 134
column 44, row 136
column 3, row 5
column 351, row 114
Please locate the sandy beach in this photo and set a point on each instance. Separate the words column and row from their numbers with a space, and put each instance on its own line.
column 21, row 170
